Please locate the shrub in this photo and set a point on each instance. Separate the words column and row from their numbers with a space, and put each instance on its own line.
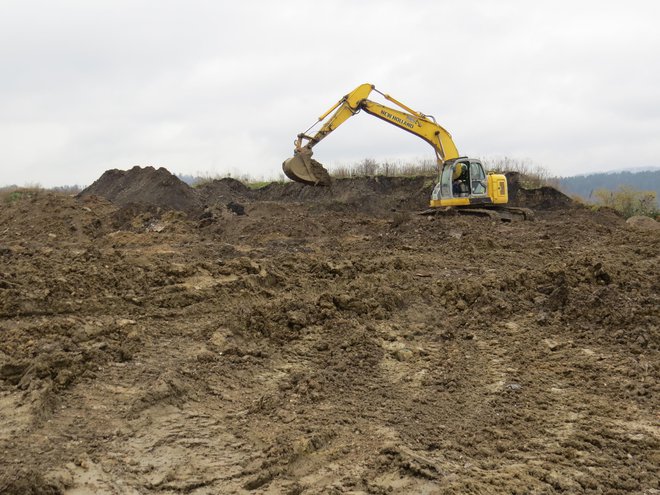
column 388, row 168
column 531, row 175
column 628, row 201
column 12, row 194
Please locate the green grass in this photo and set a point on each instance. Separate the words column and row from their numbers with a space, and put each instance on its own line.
column 13, row 195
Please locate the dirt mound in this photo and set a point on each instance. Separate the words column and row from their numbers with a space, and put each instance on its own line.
column 539, row 198
column 368, row 194
column 643, row 223
column 148, row 186
column 224, row 191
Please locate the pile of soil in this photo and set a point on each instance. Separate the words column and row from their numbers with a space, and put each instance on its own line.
column 324, row 345
column 225, row 190
column 145, row 186
column 538, row 198
column 369, row 194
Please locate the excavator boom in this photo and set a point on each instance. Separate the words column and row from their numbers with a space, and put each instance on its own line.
column 429, row 131
column 302, row 168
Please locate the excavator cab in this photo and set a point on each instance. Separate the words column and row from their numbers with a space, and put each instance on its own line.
column 463, row 181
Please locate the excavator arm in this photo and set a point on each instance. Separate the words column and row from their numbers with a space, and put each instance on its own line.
column 302, row 168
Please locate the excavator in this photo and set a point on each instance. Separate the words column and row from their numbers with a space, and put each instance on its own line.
column 463, row 184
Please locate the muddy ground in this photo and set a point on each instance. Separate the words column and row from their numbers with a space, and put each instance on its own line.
column 324, row 342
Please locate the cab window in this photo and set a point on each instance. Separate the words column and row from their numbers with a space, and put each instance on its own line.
column 478, row 178
column 446, row 182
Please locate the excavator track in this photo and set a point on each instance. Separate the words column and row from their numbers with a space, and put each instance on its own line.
column 503, row 213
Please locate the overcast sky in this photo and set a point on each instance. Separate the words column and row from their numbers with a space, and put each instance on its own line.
column 214, row 87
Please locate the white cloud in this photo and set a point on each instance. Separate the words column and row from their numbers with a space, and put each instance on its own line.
column 217, row 86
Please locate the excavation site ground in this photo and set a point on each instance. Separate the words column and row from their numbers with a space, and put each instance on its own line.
column 161, row 339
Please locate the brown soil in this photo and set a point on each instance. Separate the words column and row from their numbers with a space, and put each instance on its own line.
column 144, row 186
column 327, row 341
column 540, row 198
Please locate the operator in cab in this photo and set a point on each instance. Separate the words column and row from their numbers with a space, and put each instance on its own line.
column 460, row 180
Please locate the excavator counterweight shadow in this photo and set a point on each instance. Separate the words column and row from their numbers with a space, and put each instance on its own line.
column 302, row 168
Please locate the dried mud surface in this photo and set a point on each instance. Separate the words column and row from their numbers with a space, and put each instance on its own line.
column 326, row 341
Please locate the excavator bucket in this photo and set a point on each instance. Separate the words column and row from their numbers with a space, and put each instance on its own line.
column 303, row 168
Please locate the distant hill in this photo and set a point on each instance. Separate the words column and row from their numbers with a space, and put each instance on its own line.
column 585, row 185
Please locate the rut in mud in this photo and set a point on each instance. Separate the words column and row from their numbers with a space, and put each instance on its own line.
column 325, row 341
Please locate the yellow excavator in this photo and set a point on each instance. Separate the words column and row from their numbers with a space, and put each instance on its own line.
column 462, row 183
